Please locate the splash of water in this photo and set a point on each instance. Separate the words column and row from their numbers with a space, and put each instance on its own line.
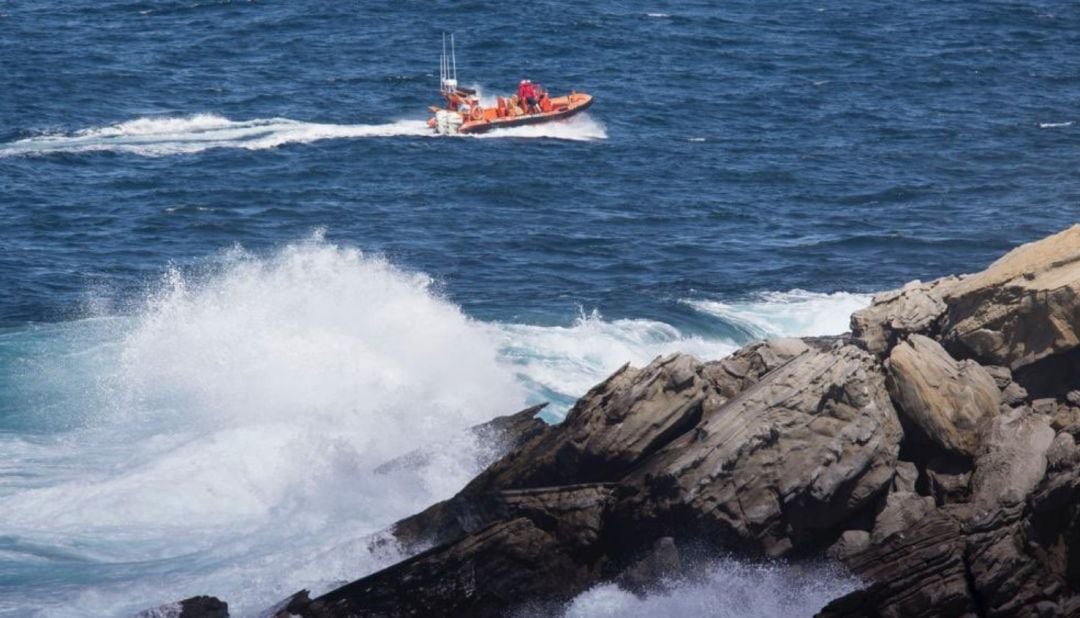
column 795, row 313
column 726, row 589
column 230, row 432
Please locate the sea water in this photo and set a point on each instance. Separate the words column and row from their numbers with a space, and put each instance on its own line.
column 239, row 274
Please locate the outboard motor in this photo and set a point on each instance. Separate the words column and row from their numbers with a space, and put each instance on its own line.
column 447, row 122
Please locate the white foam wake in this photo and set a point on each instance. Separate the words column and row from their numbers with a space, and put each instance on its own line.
column 155, row 137
column 795, row 313
column 168, row 136
column 579, row 128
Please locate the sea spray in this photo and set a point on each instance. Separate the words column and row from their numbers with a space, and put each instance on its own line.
column 795, row 313
column 223, row 436
column 726, row 588
column 235, row 429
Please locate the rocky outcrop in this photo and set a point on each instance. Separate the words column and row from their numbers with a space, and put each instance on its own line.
column 915, row 308
column 933, row 452
column 1023, row 308
column 944, row 398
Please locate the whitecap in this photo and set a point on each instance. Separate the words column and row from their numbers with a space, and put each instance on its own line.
column 795, row 313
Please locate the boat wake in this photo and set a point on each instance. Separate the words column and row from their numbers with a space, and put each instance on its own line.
column 170, row 136
column 156, row 137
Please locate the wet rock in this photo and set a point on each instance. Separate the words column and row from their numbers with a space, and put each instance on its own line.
column 484, row 574
column 662, row 561
column 502, row 433
column 943, row 397
column 791, row 448
column 919, row 573
column 612, row 428
column 194, row 607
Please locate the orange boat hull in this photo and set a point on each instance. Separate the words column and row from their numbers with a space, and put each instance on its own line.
column 561, row 107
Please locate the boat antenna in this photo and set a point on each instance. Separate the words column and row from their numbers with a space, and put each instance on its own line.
column 453, row 55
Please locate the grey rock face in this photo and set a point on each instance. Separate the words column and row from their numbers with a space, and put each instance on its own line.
column 951, row 488
column 1023, row 308
column 801, row 451
column 945, row 398
column 915, row 308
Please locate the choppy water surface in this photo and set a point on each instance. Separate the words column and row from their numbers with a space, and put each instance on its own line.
column 239, row 274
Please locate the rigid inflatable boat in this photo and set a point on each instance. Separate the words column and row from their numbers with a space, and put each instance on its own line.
column 464, row 113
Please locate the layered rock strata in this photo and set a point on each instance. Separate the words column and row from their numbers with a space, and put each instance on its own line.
column 932, row 451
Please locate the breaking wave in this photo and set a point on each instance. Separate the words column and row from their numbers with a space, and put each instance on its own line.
column 226, row 434
column 795, row 313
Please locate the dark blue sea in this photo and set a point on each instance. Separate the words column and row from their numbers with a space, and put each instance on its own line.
column 238, row 272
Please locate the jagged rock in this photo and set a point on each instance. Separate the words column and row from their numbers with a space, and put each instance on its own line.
column 1013, row 394
column 1012, row 459
column 660, row 562
column 906, row 477
column 914, row 574
column 944, row 398
column 505, row 433
column 850, row 543
column 194, row 607
column 948, row 478
column 612, row 428
column 902, row 511
column 1023, row 308
column 1002, row 375
column 1066, row 418
column 742, row 369
column 790, row 447
column 1062, row 452
column 789, row 459
column 483, row 574
column 293, row 605
column 915, row 308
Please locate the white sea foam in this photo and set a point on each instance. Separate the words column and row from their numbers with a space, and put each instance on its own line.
column 224, row 438
column 726, row 589
column 155, row 137
column 234, row 425
column 170, row 136
column 570, row 360
column 796, row 313
column 1055, row 125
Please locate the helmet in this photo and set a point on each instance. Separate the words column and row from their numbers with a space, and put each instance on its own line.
column 528, row 81
column 522, row 82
